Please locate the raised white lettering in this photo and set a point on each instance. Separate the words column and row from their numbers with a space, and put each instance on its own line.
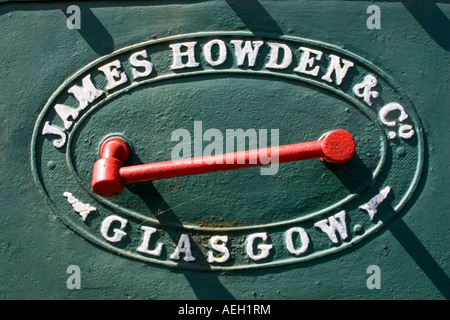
column 222, row 56
column 143, row 248
column 219, row 243
column 331, row 225
column 335, row 66
column 274, row 56
column 51, row 129
column 118, row 234
column 146, row 65
column 113, row 75
column 303, row 237
column 264, row 249
column 178, row 55
column 85, row 94
column 307, row 61
column 64, row 112
column 372, row 205
column 249, row 50
column 184, row 246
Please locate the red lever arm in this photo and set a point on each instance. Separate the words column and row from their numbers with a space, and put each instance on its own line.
column 110, row 175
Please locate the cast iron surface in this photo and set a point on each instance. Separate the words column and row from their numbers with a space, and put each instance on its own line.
column 39, row 53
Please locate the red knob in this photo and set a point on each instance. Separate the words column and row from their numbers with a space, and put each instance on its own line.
column 106, row 179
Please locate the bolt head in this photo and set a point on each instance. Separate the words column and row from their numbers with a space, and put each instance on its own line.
column 338, row 146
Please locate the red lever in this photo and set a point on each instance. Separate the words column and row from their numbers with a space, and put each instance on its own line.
column 110, row 175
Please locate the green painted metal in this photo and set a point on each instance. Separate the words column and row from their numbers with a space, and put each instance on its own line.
column 42, row 234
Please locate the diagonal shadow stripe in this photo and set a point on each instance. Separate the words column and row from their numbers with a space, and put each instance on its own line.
column 432, row 20
column 414, row 247
column 254, row 16
column 93, row 31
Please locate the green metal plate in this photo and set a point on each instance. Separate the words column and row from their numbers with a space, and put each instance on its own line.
column 311, row 230
column 241, row 203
